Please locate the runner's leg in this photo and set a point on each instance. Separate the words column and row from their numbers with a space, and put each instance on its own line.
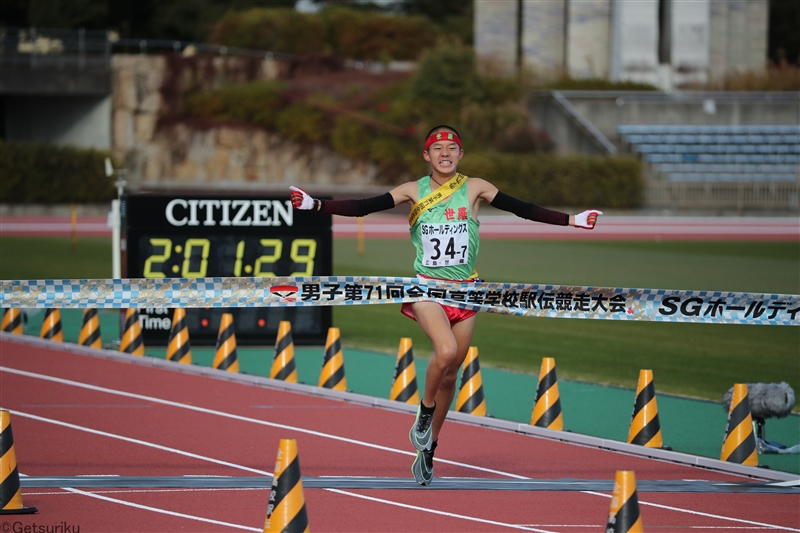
column 462, row 331
column 434, row 322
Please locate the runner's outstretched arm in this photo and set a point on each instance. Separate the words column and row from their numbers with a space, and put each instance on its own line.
column 351, row 208
column 536, row 213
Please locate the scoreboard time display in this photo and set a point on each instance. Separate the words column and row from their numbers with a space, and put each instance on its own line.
column 198, row 236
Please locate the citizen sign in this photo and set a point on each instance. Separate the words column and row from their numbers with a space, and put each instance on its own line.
column 180, row 212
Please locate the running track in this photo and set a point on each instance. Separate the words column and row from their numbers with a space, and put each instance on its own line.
column 84, row 412
column 509, row 227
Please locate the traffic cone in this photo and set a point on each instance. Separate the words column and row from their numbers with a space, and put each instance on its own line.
column 283, row 366
column 623, row 516
column 332, row 374
column 51, row 326
column 404, row 382
column 90, row 330
column 739, row 444
column 12, row 321
column 286, row 511
column 547, row 407
column 225, row 358
column 470, row 395
column 645, row 429
column 132, row 341
column 10, row 494
column 178, row 347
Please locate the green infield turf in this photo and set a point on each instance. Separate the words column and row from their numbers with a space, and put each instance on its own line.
column 689, row 359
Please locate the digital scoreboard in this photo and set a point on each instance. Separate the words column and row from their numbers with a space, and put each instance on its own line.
column 198, row 236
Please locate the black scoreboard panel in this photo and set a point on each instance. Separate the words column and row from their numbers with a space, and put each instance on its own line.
column 197, row 236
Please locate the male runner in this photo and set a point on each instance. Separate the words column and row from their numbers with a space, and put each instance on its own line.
column 444, row 230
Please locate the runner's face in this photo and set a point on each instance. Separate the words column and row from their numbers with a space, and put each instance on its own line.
column 443, row 157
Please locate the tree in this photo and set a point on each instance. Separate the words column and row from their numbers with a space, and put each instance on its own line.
column 784, row 36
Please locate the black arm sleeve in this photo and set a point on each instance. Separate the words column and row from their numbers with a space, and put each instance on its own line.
column 529, row 211
column 358, row 208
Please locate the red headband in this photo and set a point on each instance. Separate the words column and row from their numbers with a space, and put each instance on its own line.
column 442, row 136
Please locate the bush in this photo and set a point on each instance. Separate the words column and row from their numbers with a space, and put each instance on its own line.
column 355, row 34
column 277, row 30
column 46, row 174
column 256, row 103
column 350, row 138
column 302, row 123
column 447, row 77
column 573, row 180
column 370, row 36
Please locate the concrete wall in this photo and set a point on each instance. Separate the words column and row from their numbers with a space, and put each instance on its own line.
column 83, row 121
column 496, row 35
column 588, row 38
column 738, row 36
column 543, row 41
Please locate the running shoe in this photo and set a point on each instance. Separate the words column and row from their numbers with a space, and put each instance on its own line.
column 422, row 468
column 421, row 433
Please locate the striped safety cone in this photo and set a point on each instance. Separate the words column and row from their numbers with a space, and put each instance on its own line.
column 132, row 341
column 178, row 347
column 12, row 321
column 10, row 494
column 225, row 357
column 547, row 406
column 404, row 382
column 332, row 374
column 739, row 444
column 645, row 429
column 623, row 516
column 470, row 395
column 51, row 326
column 286, row 511
column 90, row 330
column 283, row 366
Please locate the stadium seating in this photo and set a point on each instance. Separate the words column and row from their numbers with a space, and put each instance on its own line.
column 718, row 153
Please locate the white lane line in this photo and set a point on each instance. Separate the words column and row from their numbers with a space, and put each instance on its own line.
column 700, row 513
column 162, row 511
column 244, row 419
column 137, row 441
column 334, row 437
column 233, row 465
column 434, row 511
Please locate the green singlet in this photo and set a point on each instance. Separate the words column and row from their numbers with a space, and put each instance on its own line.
column 445, row 236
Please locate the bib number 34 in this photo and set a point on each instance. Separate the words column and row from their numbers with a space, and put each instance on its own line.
column 445, row 244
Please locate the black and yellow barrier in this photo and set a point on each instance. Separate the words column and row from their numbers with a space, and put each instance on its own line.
column 10, row 493
column 90, row 330
column 470, row 394
column 547, row 406
column 286, row 511
column 51, row 326
column 623, row 515
column 404, row 382
column 12, row 322
column 132, row 341
column 739, row 444
column 225, row 356
column 332, row 374
column 645, row 428
column 283, row 365
column 178, row 347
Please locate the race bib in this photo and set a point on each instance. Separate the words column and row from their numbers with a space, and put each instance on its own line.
column 445, row 244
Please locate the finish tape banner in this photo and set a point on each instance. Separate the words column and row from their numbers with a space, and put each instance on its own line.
column 553, row 301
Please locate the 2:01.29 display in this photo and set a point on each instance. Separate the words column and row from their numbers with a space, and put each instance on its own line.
column 225, row 256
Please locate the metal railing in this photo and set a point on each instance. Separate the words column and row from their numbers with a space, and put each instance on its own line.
column 716, row 195
column 39, row 47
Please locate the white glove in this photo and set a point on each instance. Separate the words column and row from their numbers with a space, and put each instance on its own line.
column 301, row 199
column 587, row 219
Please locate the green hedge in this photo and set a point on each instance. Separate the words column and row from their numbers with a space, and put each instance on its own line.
column 573, row 180
column 351, row 33
column 37, row 173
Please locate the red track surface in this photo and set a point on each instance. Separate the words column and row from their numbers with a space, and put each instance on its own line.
column 378, row 447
